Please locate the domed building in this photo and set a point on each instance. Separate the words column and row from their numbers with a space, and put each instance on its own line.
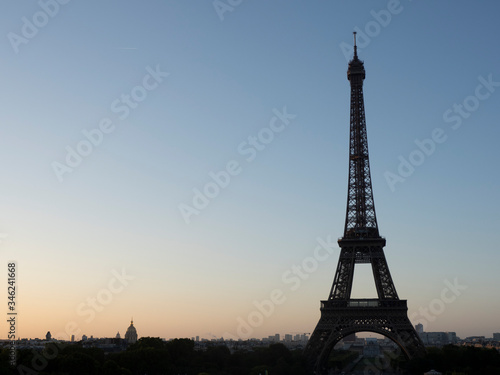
column 131, row 334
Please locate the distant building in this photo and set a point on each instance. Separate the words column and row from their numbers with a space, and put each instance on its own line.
column 371, row 349
column 118, row 335
column 350, row 338
column 48, row 336
column 496, row 336
column 434, row 338
column 108, row 345
column 84, row 338
column 433, row 372
column 288, row 338
column 357, row 348
column 475, row 338
column 274, row 338
column 131, row 334
column 452, row 337
column 419, row 328
column 72, row 338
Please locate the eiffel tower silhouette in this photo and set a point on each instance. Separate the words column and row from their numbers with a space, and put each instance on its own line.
column 340, row 314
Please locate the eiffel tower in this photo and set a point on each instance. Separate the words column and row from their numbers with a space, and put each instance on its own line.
column 340, row 314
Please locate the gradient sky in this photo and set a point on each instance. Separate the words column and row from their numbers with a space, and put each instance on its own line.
column 118, row 210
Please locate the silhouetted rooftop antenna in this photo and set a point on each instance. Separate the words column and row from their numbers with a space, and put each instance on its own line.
column 355, row 47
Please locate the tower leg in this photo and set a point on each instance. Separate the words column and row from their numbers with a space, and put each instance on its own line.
column 387, row 318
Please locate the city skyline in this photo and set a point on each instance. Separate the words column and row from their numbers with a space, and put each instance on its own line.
column 186, row 164
column 278, row 336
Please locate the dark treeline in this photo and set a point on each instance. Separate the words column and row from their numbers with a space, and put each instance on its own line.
column 153, row 356
column 456, row 360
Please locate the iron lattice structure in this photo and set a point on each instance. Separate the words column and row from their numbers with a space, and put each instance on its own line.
column 361, row 243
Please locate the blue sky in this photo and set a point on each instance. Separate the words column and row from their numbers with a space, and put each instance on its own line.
column 228, row 75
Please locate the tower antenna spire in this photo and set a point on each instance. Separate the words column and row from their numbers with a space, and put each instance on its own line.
column 355, row 47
